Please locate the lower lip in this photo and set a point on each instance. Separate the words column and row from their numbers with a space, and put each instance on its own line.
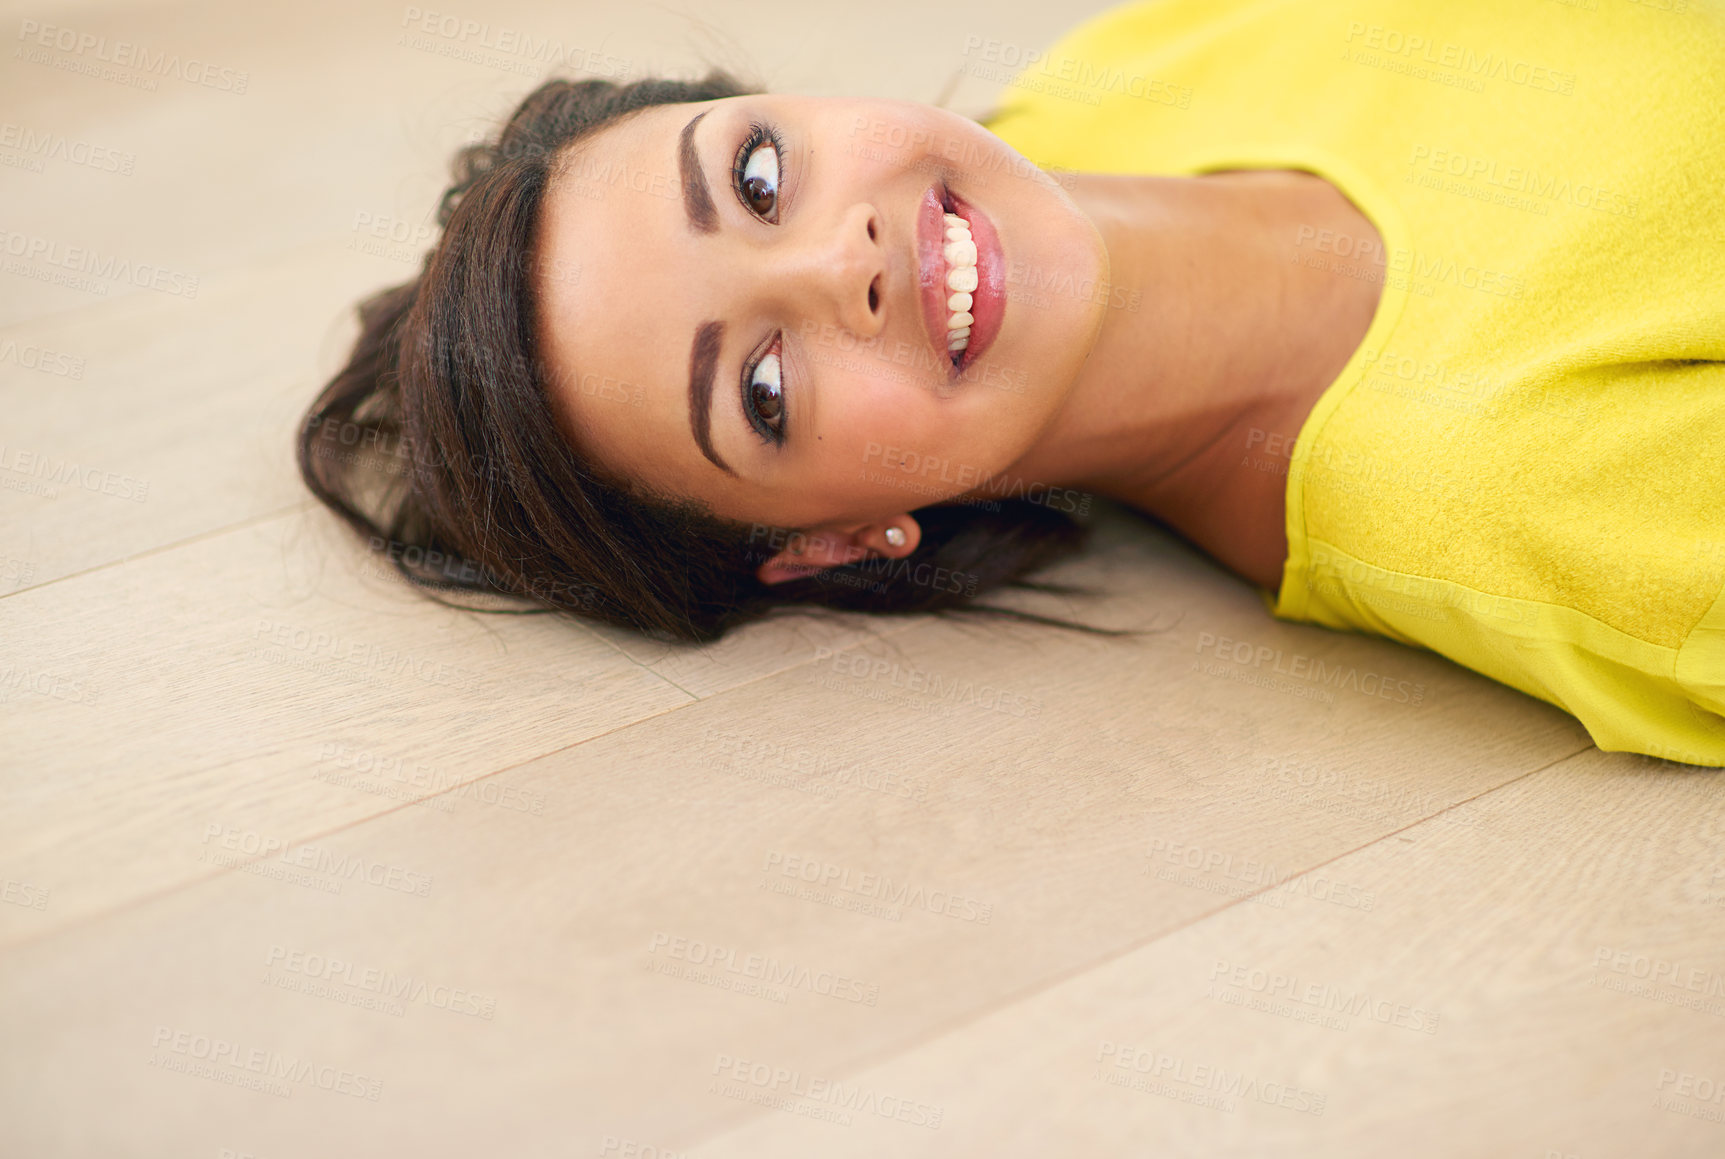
column 988, row 300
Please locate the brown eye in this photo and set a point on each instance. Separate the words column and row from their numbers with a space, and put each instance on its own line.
column 765, row 398
column 758, row 180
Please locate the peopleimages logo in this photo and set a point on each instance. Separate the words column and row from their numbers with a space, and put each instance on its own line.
column 32, row 896
column 774, row 1083
column 70, row 473
column 1697, row 979
column 317, row 646
column 383, row 983
column 1220, row 1082
column 1438, row 162
column 1311, row 668
column 931, row 689
column 40, row 144
column 40, row 359
column 205, row 1056
column 230, row 846
column 1251, row 873
column 1066, row 77
column 1466, row 62
column 708, row 958
column 812, row 768
column 479, row 42
column 1693, row 1086
column 85, row 47
column 1319, row 996
column 879, row 887
column 74, row 262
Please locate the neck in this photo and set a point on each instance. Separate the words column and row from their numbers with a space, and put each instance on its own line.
column 1213, row 347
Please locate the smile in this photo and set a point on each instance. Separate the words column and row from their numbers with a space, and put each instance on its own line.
column 961, row 275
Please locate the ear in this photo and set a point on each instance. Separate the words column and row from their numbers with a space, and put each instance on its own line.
column 807, row 552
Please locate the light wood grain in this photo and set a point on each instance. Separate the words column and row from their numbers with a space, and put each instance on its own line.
column 1500, row 939
column 199, row 402
column 1035, row 837
column 233, row 749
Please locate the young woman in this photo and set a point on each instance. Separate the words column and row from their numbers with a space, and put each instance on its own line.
column 1412, row 316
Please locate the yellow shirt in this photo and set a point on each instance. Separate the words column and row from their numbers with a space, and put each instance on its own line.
column 1523, row 465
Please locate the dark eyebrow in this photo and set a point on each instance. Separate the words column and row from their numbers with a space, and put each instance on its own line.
column 696, row 200
column 703, row 358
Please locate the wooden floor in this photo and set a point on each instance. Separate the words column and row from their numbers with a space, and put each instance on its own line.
column 298, row 864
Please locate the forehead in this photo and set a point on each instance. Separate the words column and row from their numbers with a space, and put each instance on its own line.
column 620, row 287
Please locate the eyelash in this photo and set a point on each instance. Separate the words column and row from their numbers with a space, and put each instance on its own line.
column 761, row 134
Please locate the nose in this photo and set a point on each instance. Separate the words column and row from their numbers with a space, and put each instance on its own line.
column 834, row 271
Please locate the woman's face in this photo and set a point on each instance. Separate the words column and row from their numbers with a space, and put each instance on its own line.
column 748, row 301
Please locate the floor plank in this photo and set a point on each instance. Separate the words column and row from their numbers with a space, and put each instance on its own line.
column 199, row 403
column 916, row 831
column 296, row 863
column 263, row 677
column 1549, row 981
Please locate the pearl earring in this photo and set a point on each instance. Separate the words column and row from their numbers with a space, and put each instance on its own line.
column 895, row 536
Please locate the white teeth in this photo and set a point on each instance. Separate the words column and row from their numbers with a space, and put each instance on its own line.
column 960, row 254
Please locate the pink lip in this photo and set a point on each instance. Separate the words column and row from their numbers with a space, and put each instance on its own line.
column 989, row 297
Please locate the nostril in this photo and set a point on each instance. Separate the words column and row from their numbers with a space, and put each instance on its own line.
column 873, row 295
column 871, row 229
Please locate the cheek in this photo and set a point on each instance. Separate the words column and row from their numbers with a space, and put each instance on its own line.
column 889, row 444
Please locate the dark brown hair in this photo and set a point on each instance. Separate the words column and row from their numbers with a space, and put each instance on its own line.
column 437, row 440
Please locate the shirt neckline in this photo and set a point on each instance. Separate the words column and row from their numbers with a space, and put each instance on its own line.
column 1290, row 601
